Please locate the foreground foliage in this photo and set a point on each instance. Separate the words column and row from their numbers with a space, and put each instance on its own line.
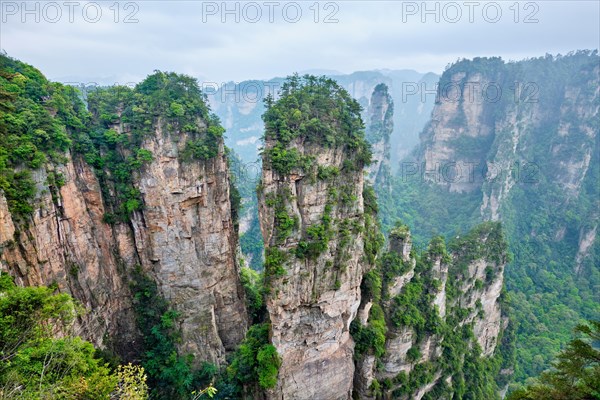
column 36, row 365
column 575, row 374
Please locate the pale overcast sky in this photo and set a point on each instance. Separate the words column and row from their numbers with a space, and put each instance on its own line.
column 91, row 41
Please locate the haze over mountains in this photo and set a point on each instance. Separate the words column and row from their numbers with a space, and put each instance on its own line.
column 240, row 106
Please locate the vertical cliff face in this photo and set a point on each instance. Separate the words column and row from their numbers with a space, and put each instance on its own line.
column 316, row 235
column 66, row 242
column 176, row 202
column 440, row 309
column 490, row 120
column 461, row 129
column 143, row 180
column 185, row 238
column 517, row 142
column 563, row 113
column 380, row 124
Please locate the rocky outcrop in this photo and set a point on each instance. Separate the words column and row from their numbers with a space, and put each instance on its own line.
column 312, row 305
column 457, row 296
column 586, row 240
column 185, row 238
column 482, row 299
column 459, row 115
column 313, row 226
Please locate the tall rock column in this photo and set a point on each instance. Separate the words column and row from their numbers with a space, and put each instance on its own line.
column 314, row 228
column 183, row 234
column 141, row 181
column 380, row 125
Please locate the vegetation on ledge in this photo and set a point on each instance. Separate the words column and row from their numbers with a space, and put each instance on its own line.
column 412, row 310
column 317, row 111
